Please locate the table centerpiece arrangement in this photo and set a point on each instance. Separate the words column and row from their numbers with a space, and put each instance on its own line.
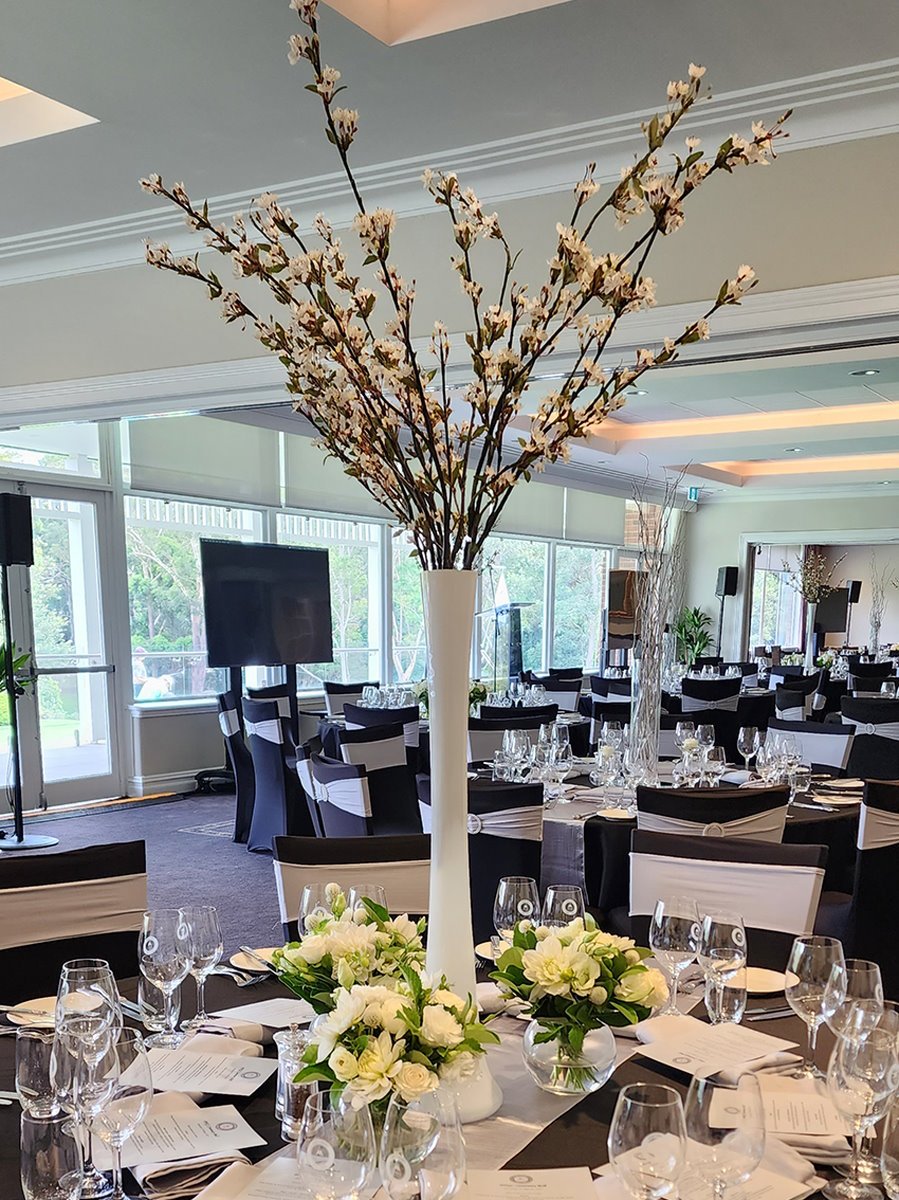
column 439, row 431
column 812, row 578
column 577, row 984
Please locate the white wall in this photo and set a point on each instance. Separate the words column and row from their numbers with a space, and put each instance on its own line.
column 714, row 534
column 857, row 565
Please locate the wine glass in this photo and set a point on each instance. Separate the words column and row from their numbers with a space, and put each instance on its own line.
column 336, row 1149
column 165, row 956
column 517, row 899
column 853, row 998
column 722, row 1156
column 861, row 1081
column 366, row 891
column 314, row 906
column 206, row 949
column 748, row 744
column 722, row 948
column 34, row 1075
column 51, row 1167
column 127, row 1103
column 889, row 1154
column 715, row 764
column 648, row 1140
column 561, row 761
column 705, row 735
column 562, row 903
column 80, row 1091
column 422, row 1153
column 800, row 782
column 560, row 735
column 808, row 971
column 674, row 936
column 684, row 731
column 612, row 734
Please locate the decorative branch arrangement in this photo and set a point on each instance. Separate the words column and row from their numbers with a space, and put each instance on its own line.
column 811, row 578
column 443, row 462
column 881, row 578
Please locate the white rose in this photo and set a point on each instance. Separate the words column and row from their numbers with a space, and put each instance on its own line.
column 460, row 1066
column 343, row 1064
column 390, row 1014
column 447, row 998
column 641, row 985
column 439, row 1027
column 413, row 1080
column 312, row 949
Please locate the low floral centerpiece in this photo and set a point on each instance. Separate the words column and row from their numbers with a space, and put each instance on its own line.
column 477, row 694
column 405, row 1038
column 345, row 947
column 577, row 983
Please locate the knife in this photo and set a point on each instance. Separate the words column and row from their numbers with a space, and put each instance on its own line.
column 254, row 957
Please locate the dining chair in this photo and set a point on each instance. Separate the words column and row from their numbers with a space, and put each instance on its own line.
column 307, row 782
column 863, row 675
column 354, row 802
column 563, row 692
column 875, row 747
column 600, row 713
column 710, row 694
column 279, row 695
column 749, row 672
column 370, row 718
column 756, row 814
column 339, row 694
column 506, row 712
column 401, row 865
column 241, row 762
column 86, row 903
column 280, row 803
column 486, row 737
column 820, row 745
column 789, row 704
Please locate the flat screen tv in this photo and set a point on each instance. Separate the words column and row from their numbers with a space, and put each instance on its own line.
column 265, row 605
column 832, row 613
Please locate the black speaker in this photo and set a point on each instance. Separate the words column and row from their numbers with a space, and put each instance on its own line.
column 855, row 590
column 727, row 581
column 16, row 545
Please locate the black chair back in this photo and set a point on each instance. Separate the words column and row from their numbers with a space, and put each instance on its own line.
column 280, row 806
column 789, row 704
column 344, row 800
column 241, row 763
column 505, row 837
column 607, row 712
column 279, row 695
column 875, row 747
column 710, row 693
column 307, row 782
column 863, row 676
column 508, row 712
column 338, row 694
column 756, row 814
column 86, row 903
column 485, row 737
column 707, row 660
column 566, row 673
column 876, row 893
column 400, row 864
column 370, row 718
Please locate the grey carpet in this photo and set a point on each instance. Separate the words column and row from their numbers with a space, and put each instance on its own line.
column 190, row 859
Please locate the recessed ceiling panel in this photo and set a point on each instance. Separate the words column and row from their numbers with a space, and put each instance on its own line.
column 844, row 395
column 782, row 402
column 724, row 406
column 393, row 21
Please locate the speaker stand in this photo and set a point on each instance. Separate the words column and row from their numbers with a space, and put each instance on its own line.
column 19, row 840
column 720, row 624
column 849, row 608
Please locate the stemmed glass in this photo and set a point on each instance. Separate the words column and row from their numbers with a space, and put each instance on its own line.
column 560, row 765
column 517, row 899
column 51, row 1167
column 366, row 891
column 809, row 968
column 127, row 1069
column 889, row 1154
column 164, row 952
column 674, row 937
column 714, row 766
column 705, row 735
column 722, row 949
column 206, row 949
column 336, row 1149
column 722, row 1156
column 560, row 734
column 422, row 1153
column 648, row 1140
column 314, row 905
column 34, row 1075
column 748, row 744
column 684, row 731
column 562, row 903
column 853, row 998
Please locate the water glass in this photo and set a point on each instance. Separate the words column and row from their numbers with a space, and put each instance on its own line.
column 861, row 1082
column 315, row 905
column 366, row 891
column 165, row 958
column 336, row 1150
column 517, row 899
column 722, row 947
column 721, row 1156
column 502, row 767
column 726, row 1004
column 422, row 1152
column 562, row 903
column 206, row 949
column 674, row 936
column 648, row 1140
column 809, row 968
column 34, row 1077
column 714, row 766
column 853, row 998
column 151, row 1002
column 51, row 1167
column 126, row 1068
column 800, row 781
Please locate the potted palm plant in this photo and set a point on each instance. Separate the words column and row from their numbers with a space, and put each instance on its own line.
column 691, row 632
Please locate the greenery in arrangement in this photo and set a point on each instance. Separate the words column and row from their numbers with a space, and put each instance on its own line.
column 691, row 632
column 20, row 663
column 477, row 693
column 342, row 948
column 577, row 978
column 443, row 461
column 406, row 1038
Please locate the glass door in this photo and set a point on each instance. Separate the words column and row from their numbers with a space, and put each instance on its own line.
column 68, row 740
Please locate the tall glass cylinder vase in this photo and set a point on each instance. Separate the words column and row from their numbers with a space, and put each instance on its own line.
column 646, row 712
column 449, row 599
column 810, row 610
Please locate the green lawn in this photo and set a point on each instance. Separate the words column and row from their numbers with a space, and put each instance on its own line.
column 57, row 733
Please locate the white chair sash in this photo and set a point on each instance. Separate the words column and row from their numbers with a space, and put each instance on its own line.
column 311, row 786
column 775, row 681
column 877, row 828
column 334, row 702
column 884, row 729
column 405, row 882
column 772, row 896
column 796, row 713
column 697, row 703
column 767, row 826
column 668, row 747
column 825, row 749
column 522, row 824
column 228, row 722
column 349, row 795
column 818, row 701
column 566, row 701
column 375, row 756
column 483, row 743
column 878, row 695
column 750, row 681
column 51, row 912
column 269, row 731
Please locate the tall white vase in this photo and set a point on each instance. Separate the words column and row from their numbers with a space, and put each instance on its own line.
column 809, row 665
column 449, row 599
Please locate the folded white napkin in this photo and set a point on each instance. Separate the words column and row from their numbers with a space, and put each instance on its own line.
column 777, row 1063
column 491, row 1000
column 245, row 1031
column 181, row 1179
column 736, row 777
column 231, row 1183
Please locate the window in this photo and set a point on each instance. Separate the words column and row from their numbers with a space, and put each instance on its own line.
column 57, row 449
column 168, row 635
column 579, row 602
column 514, row 572
column 652, row 515
column 776, row 613
column 409, row 652
column 354, row 558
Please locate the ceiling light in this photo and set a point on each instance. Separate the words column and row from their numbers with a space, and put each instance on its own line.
column 637, row 392
column 885, row 482
column 869, row 371
column 792, row 450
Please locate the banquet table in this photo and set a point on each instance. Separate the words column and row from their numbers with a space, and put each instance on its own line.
column 575, row 1138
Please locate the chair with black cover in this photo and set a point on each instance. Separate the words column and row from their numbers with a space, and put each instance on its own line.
column 401, row 865
column 382, row 751
column 486, row 737
column 709, row 693
column 566, row 673
column 757, row 814
column 779, row 675
column 776, row 886
column 607, row 712
column 86, row 903
column 610, row 691
column 339, row 694
column 353, row 802
column 241, row 762
column 826, row 747
column 789, row 705
column 280, row 805
column 756, row 710
column 562, row 692
column 279, row 695
column 508, row 712
column 875, row 747
column 707, row 660
column 867, row 677
column 310, row 790
column 505, row 837
column 749, row 672
column 370, row 718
